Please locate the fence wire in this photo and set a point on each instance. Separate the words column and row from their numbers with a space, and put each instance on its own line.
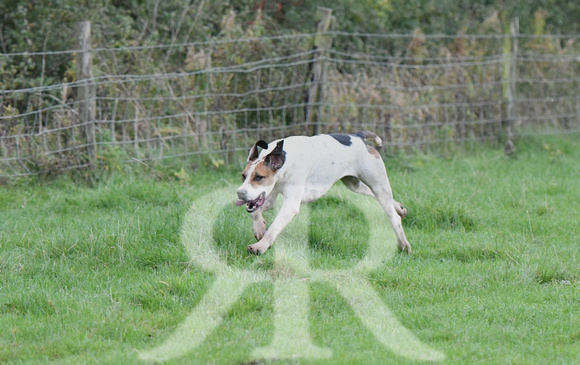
column 212, row 99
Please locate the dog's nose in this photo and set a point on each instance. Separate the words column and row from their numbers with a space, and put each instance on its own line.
column 242, row 193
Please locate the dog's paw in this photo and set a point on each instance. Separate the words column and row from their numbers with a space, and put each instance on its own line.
column 401, row 210
column 404, row 246
column 257, row 248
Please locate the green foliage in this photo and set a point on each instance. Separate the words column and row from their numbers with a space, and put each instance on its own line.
column 49, row 25
column 433, row 17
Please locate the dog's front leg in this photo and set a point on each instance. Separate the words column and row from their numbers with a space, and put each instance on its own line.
column 289, row 209
column 258, row 222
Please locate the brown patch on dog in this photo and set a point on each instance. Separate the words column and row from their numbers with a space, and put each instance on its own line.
column 266, row 174
column 373, row 151
column 246, row 171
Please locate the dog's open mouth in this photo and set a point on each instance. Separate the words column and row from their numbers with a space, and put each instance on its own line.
column 254, row 204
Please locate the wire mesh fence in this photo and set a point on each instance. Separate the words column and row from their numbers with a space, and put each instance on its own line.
column 214, row 98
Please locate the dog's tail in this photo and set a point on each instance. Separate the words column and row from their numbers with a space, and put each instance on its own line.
column 370, row 137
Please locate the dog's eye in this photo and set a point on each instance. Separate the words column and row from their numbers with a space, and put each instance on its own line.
column 258, row 178
column 243, row 177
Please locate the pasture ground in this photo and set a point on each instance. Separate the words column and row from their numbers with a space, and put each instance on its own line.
column 95, row 273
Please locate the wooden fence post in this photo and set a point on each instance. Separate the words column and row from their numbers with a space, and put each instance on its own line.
column 509, row 76
column 321, row 43
column 86, row 89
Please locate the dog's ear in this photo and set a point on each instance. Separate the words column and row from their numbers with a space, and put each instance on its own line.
column 254, row 150
column 276, row 158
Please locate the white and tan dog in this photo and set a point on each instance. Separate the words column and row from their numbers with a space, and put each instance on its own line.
column 302, row 169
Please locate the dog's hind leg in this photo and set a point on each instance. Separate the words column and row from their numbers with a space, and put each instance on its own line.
column 401, row 210
column 385, row 198
column 354, row 184
column 378, row 182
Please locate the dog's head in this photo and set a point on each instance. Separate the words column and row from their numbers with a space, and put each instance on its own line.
column 259, row 175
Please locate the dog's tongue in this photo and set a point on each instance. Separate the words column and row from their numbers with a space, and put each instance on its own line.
column 240, row 202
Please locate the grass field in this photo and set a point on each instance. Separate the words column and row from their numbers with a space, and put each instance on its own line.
column 98, row 273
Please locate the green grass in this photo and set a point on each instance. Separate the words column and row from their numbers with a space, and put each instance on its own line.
column 94, row 274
